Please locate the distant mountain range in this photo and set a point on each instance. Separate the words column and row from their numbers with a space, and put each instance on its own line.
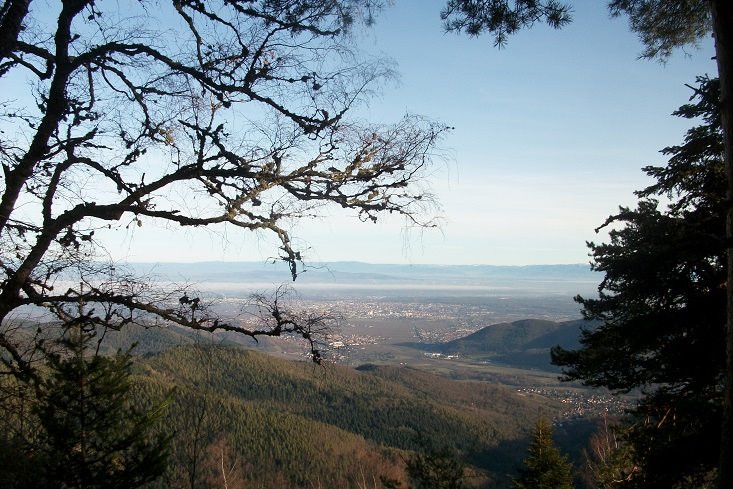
column 532, row 279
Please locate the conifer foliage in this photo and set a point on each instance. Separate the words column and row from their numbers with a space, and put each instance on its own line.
column 663, row 305
column 545, row 467
column 662, row 27
column 82, row 429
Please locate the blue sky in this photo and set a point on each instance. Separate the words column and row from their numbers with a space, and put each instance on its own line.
column 550, row 135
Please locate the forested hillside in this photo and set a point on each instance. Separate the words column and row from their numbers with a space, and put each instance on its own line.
column 524, row 343
column 280, row 423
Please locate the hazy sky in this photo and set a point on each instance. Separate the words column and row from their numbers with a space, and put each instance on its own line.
column 550, row 135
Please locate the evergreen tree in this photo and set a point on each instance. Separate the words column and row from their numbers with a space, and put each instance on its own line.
column 88, row 432
column 662, row 26
column 545, row 467
column 662, row 303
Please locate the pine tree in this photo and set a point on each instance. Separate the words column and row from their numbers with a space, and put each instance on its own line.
column 545, row 467
column 662, row 27
column 662, row 304
column 88, row 432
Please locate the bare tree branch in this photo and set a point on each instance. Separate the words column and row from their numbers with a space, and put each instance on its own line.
column 243, row 105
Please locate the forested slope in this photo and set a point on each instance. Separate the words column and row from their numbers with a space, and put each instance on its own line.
column 291, row 424
column 525, row 343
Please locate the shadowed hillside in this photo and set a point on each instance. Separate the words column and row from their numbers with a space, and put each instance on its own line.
column 524, row 343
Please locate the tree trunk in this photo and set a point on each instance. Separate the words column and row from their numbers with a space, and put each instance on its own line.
column 12, row 14
column 723, row 31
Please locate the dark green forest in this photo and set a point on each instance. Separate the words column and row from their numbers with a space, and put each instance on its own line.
column 291, row 424
column 333, row 424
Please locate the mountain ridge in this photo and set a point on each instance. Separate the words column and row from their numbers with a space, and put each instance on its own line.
column 530, row 279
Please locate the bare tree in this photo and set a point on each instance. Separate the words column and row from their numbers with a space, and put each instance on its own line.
column 188, row 113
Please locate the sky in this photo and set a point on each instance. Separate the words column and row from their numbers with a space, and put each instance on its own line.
column 550, row 136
